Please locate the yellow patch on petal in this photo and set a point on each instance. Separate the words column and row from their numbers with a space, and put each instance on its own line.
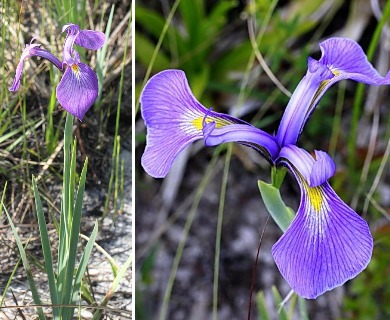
column 219, row 122
column 75, row 68
column 315, row 197
column 335, row 72
column 322, row 86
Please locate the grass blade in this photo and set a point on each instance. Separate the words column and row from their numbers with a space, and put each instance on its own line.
column 116, row 148
column 114, row 286
column 191, row 215
column 26, row 265
column 101, row 67
column 262, row 307
column 83, row 263
column 49, row 268
column 282, row 314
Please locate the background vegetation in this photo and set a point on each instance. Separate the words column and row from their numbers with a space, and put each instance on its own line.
column 230, row 50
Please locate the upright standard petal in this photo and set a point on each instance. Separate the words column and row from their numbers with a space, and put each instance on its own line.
column 303, row 102
column 326, row 244
column 72, row 31
column 174, row 119
column 78, row 89
column 90, row 39
column 341, row 59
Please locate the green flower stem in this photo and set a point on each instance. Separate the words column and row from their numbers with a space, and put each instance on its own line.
column 277, row 176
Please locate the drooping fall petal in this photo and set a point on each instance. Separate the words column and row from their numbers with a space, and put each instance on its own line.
column 31, row 50
column 174, row 119
column 78, row 89
column 327, row 243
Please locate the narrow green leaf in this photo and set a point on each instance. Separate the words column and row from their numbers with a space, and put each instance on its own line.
column 25, row 134
column 220, row 11
column 26, row 265
column 157, row 47
column 278, row 300
column 193, row 14
column 72, row 183
column 101, row 67
column 303, row 309
column 82, row 17
column 116, row 173
column 83, row 263
column 278, row 175
column 281, row 214
column 49, row 268
column 58, row 8
column 262, row 307
column 200, row 80
column 218, row 237
column 86, row 292
column 213, row 25
column 2, row 199
column 74, row 237
column 62, row 256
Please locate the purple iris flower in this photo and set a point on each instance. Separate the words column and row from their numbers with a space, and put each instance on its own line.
column 327, row 243
column 78, row 87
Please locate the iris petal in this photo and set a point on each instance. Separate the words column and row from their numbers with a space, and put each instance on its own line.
column 90, row 39
column 245, row 134
column 341, row 59
column 174, row 119
column 303, row 102
column 78, row 89
column 72, row 31
column 326, row 244
column 32, row 50
column 323, row 168
column 347, row 60
column 314, row 171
